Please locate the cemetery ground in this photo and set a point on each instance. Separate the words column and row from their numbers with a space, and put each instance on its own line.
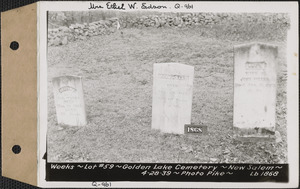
column 117, row 72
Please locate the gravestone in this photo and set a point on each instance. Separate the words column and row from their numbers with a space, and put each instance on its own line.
column 69, row 101
column 255, row 75
column 172, row 97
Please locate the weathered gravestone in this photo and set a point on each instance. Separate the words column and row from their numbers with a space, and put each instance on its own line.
column 255, row 83
column 69, row 101
column 172, row 97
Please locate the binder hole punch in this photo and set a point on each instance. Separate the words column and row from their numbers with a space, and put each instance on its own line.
column 16, row 149
column 14, row 45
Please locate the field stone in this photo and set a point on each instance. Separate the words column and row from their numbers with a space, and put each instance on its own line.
column 65, row 40
column 56, row 41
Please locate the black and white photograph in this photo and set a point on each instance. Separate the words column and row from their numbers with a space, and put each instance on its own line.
column 166, row 92
column 167, row 87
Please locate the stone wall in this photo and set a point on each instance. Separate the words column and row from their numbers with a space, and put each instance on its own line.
column 63, row 34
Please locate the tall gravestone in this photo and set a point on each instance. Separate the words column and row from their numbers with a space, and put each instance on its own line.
column 255, row 81
column 172, row 97
column 69, row 101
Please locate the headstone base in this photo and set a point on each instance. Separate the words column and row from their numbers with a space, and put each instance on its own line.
column 255, row 139
column 254, row 134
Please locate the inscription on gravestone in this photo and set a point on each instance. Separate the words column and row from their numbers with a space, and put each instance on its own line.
column 69, row 101
column 255, row 89
column 172, row 97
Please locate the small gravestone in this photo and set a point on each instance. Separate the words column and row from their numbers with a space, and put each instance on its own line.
column 255, row 84
column 69, row 101
column 172, row 97
column 195, row 129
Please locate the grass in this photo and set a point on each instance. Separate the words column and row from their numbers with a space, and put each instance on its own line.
column 117, row 80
